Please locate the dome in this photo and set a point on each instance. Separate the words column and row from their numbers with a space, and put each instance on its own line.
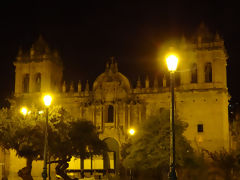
column 111, row 85
column 111, row 75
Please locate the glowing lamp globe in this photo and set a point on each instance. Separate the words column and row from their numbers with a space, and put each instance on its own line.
column 172, row 62
column 24, row 111
column 131, row 131
column 47, row 100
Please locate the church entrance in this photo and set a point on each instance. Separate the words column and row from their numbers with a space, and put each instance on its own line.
column 111, row 158
column 97, row 165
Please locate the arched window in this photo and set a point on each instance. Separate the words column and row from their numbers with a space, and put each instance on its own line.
column 194, row 73
column 38, row 82
column 208, row 72
column 26, row 83
column 110, row 114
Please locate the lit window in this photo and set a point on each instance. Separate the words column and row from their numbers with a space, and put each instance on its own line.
column 200, row 128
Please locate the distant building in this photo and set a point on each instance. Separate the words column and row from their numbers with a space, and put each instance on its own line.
column 114, row 106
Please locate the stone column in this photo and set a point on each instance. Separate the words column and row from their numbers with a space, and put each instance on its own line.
column 139, row 114
column 124, row 117
column 93, row 115
column 81, row 112
column 164, row 81
column 116, row 116
column 213, row 71
column 129, row 115
column 101, row 116
column 200, row 72
column 31, row 82
column 186, row 74
column 147, row 111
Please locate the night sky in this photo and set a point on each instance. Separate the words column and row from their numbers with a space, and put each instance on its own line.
column 87, row 33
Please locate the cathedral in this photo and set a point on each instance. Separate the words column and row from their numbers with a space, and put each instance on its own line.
column 114, row 106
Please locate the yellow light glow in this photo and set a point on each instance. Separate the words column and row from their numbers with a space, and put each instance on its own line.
column 40, row 112
column 131, row 131
column 24, row 111
column 172, row 62
column 200, row 139
column 47, row 100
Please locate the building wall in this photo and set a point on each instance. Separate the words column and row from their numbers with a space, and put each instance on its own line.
column 209, row 109
column 12, row 164
column 197, row 103
column 51, row 76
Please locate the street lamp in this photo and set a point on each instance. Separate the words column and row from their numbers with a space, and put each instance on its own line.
column 47, row 99
column 131, row 131
column 172, row 62
column 24, row 111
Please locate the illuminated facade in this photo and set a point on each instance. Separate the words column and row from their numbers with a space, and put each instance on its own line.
column 114, row 106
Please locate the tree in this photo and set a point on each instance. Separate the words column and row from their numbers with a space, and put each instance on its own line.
column 22, row 134
column 149, row 149
column 66, row 137
column 224, row 164
column 77, row 138
column 235, row 126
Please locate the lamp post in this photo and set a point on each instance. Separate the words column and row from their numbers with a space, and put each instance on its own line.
column 172, row 62
column 131, row 131
column 47, row 101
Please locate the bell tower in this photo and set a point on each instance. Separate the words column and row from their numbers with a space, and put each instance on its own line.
column 203, row 99
column 205, row 63
column 37, row 70
column 211, row 60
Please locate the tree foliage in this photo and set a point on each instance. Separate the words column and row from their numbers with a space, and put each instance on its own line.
column 67, row 137
column 150, row 145
column 225, row 164
column 148, row 150
column 70, row 137
column 24, row 134
column 235, row 128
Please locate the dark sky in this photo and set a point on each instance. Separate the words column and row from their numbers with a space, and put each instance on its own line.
column 87, row 33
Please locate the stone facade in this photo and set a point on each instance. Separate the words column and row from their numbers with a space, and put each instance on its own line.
column 114, row 106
